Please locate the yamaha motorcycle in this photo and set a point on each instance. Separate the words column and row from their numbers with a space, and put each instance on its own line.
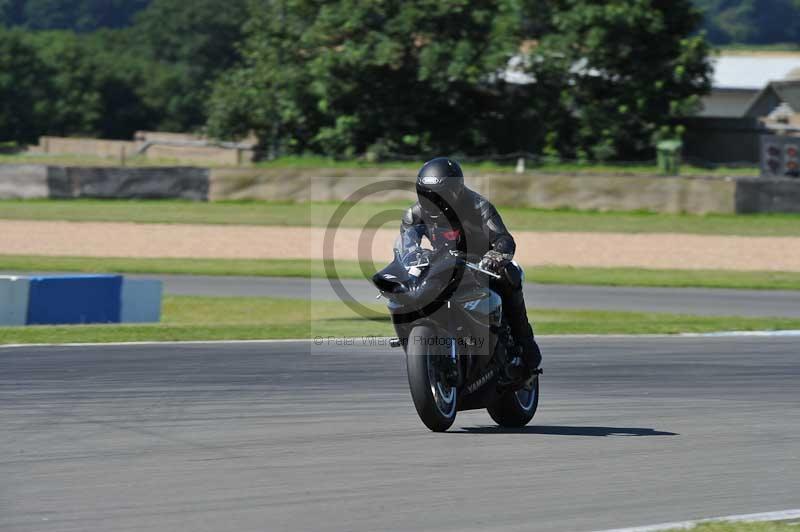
column 457, row 342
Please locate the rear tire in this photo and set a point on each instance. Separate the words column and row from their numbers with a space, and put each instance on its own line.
column 436, row 403
column 515, row 409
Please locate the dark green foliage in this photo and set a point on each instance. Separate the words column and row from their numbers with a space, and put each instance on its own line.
column 752, row 21
column 625, row 70
column 409, row 77
column 78, row 15
column 402, row 77
column 60, row 83
column 386, row 77
column 110, row 83
column 198, row 41
column 23, row 98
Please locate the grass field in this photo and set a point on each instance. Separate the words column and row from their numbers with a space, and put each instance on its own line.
column 319, row 214
column 312, row 162
column 246, row 318
column 351, row 270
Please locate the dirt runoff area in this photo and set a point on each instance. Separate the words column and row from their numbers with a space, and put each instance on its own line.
column 678, row 251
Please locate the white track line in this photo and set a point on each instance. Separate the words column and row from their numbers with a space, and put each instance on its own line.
column 783, row 515
column 743, row 333
column 755, row 334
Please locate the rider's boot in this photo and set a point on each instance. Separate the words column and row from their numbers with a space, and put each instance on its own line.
column 531, row 354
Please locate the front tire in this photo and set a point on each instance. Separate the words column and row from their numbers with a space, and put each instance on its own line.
column 435, row 400
column 515, row 409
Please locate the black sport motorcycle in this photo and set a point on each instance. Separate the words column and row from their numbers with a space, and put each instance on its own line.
column 457, row 342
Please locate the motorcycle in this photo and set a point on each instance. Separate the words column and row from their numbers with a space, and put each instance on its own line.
column 457, row 342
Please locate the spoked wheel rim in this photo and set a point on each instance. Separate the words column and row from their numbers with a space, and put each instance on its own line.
column 527, row 398
column 444, row 395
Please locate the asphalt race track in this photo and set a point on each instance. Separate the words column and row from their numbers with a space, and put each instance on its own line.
column 715, row 302
column 283, row 436
column 699, row 301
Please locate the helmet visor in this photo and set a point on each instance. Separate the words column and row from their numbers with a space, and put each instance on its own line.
column 436, row 202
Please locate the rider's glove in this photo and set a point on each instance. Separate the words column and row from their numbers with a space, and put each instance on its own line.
column 494, row 261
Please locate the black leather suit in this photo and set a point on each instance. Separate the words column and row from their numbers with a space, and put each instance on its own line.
column 480, row 229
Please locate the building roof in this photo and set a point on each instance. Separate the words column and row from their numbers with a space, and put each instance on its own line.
column 753, row 71
column 744, row 71
column 785, row 94
column 789, row 93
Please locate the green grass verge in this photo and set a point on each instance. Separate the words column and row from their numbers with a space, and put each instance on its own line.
column 318, row 214
column 744, row 527
column 246, row 318
column 84, row 160
column 314, row 162
column 351, row 270
column 510, row 166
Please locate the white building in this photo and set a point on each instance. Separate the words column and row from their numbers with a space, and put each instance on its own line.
column 740, row 77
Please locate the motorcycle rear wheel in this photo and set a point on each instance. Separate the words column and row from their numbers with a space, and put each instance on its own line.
column 436, row 401
column 515, row 409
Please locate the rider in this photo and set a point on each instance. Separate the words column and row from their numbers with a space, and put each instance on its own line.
column 447, row 210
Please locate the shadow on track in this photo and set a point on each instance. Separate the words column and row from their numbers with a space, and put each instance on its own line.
column 567, row 431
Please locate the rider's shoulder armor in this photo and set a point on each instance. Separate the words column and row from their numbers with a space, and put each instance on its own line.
column 413, row 215
column 482, row 205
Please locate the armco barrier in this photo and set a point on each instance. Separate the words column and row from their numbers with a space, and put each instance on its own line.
column 61, row 300
column 128, row 183
column 13, row 300
column 23, row 181
column 141, row 301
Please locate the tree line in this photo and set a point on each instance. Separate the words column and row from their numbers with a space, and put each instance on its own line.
column 725, row 21
column 759, row 22
column 388, row 77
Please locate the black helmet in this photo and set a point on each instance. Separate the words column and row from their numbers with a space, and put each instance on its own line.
column 440, row 182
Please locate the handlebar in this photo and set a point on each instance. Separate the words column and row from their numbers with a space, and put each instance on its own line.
column 477, row 268
column 471, row 265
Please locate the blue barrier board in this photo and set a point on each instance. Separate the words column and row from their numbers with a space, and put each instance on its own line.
column 74, row 299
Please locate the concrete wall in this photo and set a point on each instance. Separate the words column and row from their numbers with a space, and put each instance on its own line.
column 210, row 155
column 118, row 149
column 122, row 150
column 23, row 181
column 697, row 195
column 304, row 184
column 661, row 194
column 612, row 193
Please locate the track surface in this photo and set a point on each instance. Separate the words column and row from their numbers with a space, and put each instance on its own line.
column 282, row 437
column 713, row 302
column 699, row 301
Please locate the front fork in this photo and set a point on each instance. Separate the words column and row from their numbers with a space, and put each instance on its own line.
column 457, row 372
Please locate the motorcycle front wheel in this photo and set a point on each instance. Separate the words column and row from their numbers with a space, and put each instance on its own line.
column 436, row 401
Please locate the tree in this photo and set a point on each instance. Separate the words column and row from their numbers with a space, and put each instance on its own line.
column 74, row 105
column 197, row 40
column 425, row 76
column 751, row 21
column 78, row 15
column 626, row 68
column 23, row 90
column 339, row 78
